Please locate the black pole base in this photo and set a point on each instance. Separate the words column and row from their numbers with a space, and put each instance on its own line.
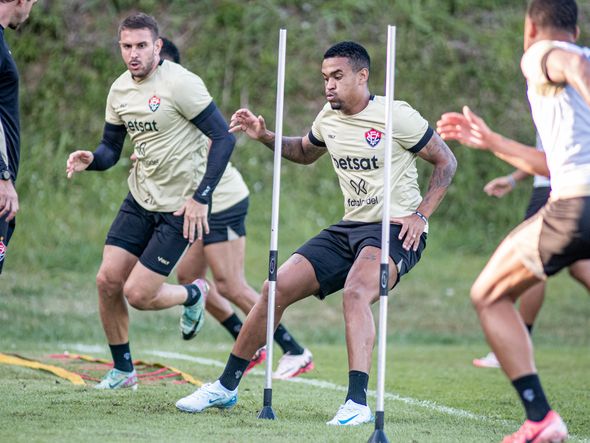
column 267, row 413
column 378, row 436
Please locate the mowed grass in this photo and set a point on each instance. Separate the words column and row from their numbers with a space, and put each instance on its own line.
column 434, row 394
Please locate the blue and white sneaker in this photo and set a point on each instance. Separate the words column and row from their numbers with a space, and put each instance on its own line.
column 116, row 379
column 351, row 414
column 210, row 395
column 193, row 317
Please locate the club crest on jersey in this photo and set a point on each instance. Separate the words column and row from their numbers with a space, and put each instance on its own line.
column 154, row 103
column 373, row 137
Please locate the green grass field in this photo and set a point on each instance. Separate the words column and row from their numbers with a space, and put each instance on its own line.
column 433, row 393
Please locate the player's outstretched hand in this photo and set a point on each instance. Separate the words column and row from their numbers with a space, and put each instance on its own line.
column 412, row 228
column 195, row 219
column 78, row 161
column 467, row 128
column 244, row 120
column 499, row 187
column 8, row 200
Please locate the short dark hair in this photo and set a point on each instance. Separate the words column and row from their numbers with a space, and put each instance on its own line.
column 558, row 14
column 357, row 56
column 169, row 50
column 140, row 21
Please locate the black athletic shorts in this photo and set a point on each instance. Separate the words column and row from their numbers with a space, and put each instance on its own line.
column 557, row 236
column 155, row 237
column 539, row 197
column 228, row 224
column 333, row 251
column 6, row 230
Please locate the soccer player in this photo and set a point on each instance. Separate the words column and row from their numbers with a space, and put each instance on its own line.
column 170, row 116
column 558, row 78
column 346, row 255
column 12, row 14
column 223, row 250
column 532, row 299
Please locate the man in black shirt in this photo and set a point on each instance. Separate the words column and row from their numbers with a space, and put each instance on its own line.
column 12, row 14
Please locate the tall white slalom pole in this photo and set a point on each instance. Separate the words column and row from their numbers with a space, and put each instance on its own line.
column 267, row 411
column 379, row 433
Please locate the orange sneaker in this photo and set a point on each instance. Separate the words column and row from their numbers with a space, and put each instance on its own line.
column 551, row 429
column 489, row 361
column 258, row 359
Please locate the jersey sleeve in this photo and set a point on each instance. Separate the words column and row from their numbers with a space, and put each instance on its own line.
column 191, row 95
column 110, row 115
column 315, row 134
column 410, row 129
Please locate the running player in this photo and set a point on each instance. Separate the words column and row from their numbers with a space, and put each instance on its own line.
column 12, row 14
column 558, row 78
column 223, row 250
column 170, row 116
column 532, row 299
column 346, row 255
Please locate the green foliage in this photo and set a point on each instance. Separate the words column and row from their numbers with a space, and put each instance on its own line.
column 449, row 53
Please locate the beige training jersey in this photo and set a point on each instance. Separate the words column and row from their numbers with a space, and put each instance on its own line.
column 171, row 151
column 356, row 145
column 562, row 119
column 231, row 189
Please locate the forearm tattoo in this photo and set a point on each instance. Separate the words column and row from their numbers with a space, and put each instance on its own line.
column 438, row 153
column 293, row 150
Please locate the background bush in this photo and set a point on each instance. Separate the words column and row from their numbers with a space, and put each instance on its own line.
column 449, row 53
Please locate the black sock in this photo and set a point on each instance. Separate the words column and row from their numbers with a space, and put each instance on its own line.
column 286, row 341
column 357, row 387
column 233, row 324
column 532, row 396
column 233, row 372
column 122, row 357
column 530, row 329
column 193, row 295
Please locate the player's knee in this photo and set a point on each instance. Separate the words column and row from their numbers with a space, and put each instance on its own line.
column 479, row 296
column 136, row 297
column 228, row 288
column 108, row 284
column 354, row 297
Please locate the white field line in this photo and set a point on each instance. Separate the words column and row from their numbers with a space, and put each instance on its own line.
column 426, row 404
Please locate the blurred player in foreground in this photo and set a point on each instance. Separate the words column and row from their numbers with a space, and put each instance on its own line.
column 558, row 79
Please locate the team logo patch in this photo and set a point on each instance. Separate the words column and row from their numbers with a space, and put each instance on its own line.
column 154, row 103
column 373, row 137
column 2, row 249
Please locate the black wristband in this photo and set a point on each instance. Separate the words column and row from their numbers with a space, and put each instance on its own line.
column 422, row 216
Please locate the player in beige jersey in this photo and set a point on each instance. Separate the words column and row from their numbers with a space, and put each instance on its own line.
column 170, row 116
column 223, row 250
column 346, row 255
column 558, row 88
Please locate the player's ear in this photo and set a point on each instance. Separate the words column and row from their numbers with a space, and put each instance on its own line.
column 158, row 45
column 363, row 75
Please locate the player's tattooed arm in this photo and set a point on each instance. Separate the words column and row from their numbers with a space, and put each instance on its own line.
column 296, row 149
column 299, row 149
column 440, row 156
